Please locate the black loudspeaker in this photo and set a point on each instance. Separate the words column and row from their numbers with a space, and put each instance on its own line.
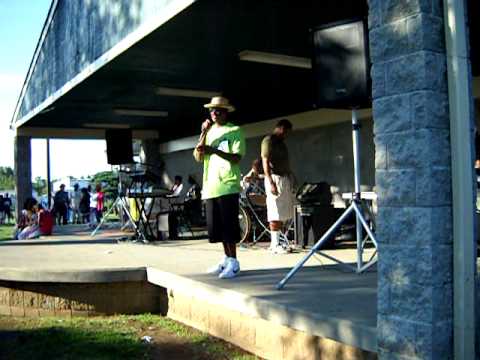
column 341, row 65
column 119, row 146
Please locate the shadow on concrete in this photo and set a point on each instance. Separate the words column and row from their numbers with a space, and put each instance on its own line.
column 57, row 242
column 324, row 300
column 328, row 289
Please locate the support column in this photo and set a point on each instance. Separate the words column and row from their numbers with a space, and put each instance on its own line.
column 23, row 171
column 49, row 179
column 461, row 131
column 150, row 156
column 413, row 179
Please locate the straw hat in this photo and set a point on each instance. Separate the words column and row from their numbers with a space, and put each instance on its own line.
column 220, row 102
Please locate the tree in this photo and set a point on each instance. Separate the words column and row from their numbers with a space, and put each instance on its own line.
column 7, row 178
column 109, row 182
column 40, row 186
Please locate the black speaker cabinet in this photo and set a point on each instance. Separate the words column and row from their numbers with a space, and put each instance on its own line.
column 119, row 146
column 341, row 66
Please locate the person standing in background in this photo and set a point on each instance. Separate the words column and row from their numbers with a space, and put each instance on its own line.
column 7, row 207
column 100, row 197
column 76, row 196
column 279, row 182
column 93, row 207
column 84, row 206
column 60, row 205
column 2, row 210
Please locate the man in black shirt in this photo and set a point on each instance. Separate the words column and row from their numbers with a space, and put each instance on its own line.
column 60, row 205
column 7, row 207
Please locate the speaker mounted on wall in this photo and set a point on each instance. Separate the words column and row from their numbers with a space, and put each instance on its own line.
column 341, row 65
column 119, row 146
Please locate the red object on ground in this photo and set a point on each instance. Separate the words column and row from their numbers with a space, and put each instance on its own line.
column 45, row 222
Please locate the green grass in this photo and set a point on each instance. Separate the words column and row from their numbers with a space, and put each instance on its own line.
column 112, row 218
column 117, row 337
column 6, row 232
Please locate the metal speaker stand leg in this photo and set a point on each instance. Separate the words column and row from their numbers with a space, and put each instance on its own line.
column 105, row 216
column 361, row 223
column 119, row 200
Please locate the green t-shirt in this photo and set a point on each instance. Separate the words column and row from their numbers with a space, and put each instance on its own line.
column 221, row 177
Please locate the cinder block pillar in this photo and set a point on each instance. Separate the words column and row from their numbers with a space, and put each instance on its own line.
column 413, row 179
column 23, row 170
column 150, row 153
column 151, row 157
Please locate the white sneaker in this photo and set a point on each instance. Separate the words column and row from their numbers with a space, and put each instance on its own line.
column 217, row 269
column 280, row 250
column 231, row 270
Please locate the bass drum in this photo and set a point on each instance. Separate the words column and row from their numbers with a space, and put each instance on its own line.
column 245, row 224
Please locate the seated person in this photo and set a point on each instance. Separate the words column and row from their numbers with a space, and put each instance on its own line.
column 253, row 181
column 177, row 187
column 175, row 193
column 27, row 227
column 194, row 192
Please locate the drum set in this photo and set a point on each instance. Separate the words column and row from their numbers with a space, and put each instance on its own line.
column 253, row 216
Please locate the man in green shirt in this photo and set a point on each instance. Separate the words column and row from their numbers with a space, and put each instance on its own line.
column 220, row 148
column 278, row 182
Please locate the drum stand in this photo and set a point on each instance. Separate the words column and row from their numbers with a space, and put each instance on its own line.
column 265, row 230
column 356, row 207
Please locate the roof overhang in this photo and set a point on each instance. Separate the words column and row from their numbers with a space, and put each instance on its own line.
column 156, row 80
column 257, row 53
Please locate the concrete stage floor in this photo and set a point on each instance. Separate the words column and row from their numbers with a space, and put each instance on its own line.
column 322, row 299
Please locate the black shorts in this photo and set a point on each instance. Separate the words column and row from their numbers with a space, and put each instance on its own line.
column 222, row 219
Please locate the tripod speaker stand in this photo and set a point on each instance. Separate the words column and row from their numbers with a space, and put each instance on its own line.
column 122, row 201
column 361, row 223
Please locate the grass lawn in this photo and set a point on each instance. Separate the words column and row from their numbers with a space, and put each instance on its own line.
column 6, row 232
column 117, row 337
column 112, row 218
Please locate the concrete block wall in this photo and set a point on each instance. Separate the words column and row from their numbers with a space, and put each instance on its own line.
column 413, row 178
column 259, row 336
column 70, row 299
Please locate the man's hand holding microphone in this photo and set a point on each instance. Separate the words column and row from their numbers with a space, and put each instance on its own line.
column 201, row 149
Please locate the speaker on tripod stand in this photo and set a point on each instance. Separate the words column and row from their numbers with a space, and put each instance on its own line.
column 341, row 70
column 341, row 66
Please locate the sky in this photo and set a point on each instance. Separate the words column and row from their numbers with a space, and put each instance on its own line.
column 21, row 22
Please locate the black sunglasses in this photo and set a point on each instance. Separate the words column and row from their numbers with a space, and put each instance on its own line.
column 217, row 110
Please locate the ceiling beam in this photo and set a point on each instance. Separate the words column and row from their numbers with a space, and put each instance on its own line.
column 305, row 120
column 87, row 134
